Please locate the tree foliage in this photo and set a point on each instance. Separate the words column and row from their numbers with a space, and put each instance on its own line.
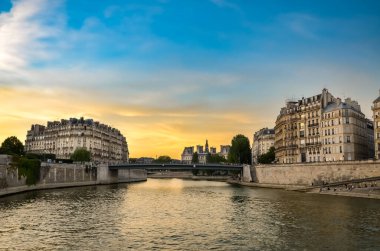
column 214, row 158
column 240, row 151
column 12, row 146
column 81, row 155
column 268, row 157
column 195, row 158
column 30, row 169
column 163, row 159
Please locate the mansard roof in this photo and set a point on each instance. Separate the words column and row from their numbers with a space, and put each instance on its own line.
column 377, row 100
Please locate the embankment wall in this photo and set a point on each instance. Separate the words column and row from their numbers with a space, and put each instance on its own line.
column 314, row 173
column 64, row 175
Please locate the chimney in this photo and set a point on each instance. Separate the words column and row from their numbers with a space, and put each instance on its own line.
column 338, row 101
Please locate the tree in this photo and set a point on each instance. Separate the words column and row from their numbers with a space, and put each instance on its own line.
column 12, row 146
column 163, row 159
column 195, row 159
column 30, row 169
column 81, row 155
column 240, row 151
column 214, row 158
column 268, row 157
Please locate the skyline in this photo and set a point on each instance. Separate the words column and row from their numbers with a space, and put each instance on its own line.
column 167, row 78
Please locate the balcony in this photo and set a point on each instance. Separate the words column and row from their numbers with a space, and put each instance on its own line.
column 313, row 125
column 314, row 144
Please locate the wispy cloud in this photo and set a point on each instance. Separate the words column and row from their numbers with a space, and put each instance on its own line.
column 24, row 32
column 302, row 24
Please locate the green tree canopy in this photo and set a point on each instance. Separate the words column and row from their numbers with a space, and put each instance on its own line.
column 268, row 157
column 214, row 158
column 12, row 146
column 81, row 155
column 195, row 159
column 163, row 159
column 240, row 151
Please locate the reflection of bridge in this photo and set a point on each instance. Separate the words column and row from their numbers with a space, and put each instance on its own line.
column 178, row 167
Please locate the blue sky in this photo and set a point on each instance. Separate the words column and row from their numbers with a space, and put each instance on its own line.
column 182, row 71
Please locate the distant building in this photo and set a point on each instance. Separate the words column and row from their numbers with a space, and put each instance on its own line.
column 224, row 151
column 376, row 125
column 62, row 138
column 187, row 155
column 145, row 160
column 321, row 128
column 188, row 152
column 263, row 140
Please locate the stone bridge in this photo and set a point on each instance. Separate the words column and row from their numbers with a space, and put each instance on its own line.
column 113, row 173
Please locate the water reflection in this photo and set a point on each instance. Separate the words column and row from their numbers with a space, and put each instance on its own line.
column 186, row 215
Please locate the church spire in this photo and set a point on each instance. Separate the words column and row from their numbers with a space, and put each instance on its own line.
column 207, row 150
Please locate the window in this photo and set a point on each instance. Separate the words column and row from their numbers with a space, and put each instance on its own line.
column 348, row 139
column 341, row 149
column 347, row 120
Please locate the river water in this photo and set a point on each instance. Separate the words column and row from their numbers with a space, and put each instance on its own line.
column 178, row 214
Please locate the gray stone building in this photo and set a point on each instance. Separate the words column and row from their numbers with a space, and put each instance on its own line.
column 62, row 138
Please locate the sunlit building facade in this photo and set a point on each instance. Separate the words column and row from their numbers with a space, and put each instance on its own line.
column 321, row 128
column 62, row 138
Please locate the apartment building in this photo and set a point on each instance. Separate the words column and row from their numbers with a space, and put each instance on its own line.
column 263, row 140
column 321, row 128
column 62, row 138
column 376, row 125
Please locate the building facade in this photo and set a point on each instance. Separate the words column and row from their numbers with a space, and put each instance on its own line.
column 203, row 152
column 224, row 151
column 62, row 138
column 376, row 125
column 321, row 128
column 187, row 155
column 263, row 140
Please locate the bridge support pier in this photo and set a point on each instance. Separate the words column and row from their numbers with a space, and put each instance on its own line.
column 246, row 177
column 106, row 176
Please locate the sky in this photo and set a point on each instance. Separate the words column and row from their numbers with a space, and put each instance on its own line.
column 171, row 73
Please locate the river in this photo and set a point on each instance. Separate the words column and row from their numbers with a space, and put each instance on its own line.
column 176, row 214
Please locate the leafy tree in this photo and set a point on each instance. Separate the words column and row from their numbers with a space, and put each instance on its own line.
column 240, row 151
column 214, row 158
column 81, row 155
column 163, row 159
column 29, row 168
column 268, row 157
column 12, row 146
column 195, row 159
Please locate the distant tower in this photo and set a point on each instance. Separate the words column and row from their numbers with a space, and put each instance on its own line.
column 206, row 146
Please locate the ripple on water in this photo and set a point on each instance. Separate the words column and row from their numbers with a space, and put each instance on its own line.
column 185, row 215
